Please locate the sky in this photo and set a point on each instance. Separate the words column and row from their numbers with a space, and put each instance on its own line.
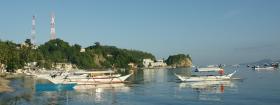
column 211, row 31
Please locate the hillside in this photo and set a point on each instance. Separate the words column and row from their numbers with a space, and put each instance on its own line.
column 15, row 56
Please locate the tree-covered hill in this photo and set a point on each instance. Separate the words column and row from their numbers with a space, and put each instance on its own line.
column 179, row 60
column 15, row 56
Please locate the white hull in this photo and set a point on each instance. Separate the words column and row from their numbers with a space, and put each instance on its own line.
column 265, row 68
column 205, row 78
column 83, row 80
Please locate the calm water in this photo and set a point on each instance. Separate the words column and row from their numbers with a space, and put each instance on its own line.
column 156, row 87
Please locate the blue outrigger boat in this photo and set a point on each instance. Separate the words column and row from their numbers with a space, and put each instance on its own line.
column 55, row 87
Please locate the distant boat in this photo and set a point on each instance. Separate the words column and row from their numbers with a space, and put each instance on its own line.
column 205, row 78
column 264, row 68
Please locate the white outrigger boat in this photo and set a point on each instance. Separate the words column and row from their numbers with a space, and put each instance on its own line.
column 205, row 78
column 264, row 68
column 82, row 78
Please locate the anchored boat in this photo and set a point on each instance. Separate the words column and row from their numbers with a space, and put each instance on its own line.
column 81, row 78
column 264, row 68
column 54, row 87
column 205, row 77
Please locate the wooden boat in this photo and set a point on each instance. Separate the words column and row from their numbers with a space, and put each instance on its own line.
column 205, row 78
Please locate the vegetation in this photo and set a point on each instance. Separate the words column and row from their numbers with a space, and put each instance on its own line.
column 179, row 60
column 15, row 56
column 10, row 55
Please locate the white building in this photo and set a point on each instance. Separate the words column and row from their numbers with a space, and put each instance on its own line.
column 83, row 50
column 148, row 63
column 29, row 66
column 159, row 63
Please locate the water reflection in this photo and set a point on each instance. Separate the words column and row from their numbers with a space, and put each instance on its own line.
column 102, row 93
column 25, row 94
column 147, row 76
column 209, row 90
column 155, row 75
column 24, row 88
column 149, row 86
column 100, row 87
column 87, row 94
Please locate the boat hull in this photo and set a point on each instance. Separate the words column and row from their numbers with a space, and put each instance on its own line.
column 82, row 80
column 54, row 87
column 265, row 68
column 205, row 78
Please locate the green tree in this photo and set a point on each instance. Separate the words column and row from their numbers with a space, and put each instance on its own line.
column 28, row 42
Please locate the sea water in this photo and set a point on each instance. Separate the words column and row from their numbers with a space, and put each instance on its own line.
column 154, row 87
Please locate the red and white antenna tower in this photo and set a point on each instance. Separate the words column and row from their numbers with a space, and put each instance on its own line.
column 33, row 31
column 52, row 27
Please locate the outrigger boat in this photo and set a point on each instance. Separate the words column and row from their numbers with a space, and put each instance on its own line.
column 205, row 78
column 264, row 68
column 82, row 78
column 54, row 87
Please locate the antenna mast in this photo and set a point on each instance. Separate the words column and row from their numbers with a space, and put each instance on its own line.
column 33, row 31
column 52, row 27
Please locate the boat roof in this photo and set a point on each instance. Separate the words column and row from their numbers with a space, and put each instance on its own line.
column 94, row 72
column 208, row 69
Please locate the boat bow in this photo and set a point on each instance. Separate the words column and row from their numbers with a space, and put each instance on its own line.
column 229, row 75
column 123, row 78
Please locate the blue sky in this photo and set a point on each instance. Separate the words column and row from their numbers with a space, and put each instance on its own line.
column 211, row 31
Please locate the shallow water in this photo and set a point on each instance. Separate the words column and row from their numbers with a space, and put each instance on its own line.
column 156, row 87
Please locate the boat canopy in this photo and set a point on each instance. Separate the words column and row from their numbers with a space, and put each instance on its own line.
column 208, row 69
column 94, row 72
